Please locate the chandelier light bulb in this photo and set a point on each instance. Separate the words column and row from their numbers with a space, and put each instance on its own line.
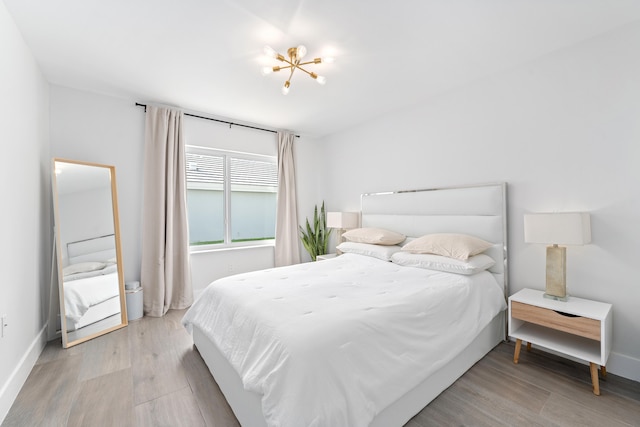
column 267, row 70
column 328, row 60
column 285, row 88
column 268, row 50
column 301, row 51
column 321, row 79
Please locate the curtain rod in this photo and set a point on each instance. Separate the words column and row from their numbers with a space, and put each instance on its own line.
column 220, row 121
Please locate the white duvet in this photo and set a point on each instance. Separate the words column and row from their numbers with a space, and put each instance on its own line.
column 82, row 294
column 334, row 342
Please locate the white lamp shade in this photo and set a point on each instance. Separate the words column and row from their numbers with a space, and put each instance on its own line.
column 344, row 220
column 571, row 228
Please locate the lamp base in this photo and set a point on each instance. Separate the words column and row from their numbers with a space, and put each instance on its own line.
column 556, row 298
column 556, row 273
column 340, row 240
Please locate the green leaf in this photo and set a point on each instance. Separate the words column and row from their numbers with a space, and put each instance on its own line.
column 315, row 239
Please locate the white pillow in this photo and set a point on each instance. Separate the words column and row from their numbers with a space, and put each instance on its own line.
column 407, row 241
column 374, row 236
column 83, row 267
column 377, row 251
column 473, row 265
column 458, row 246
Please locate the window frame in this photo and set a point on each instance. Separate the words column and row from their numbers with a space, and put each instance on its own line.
column 227, row 155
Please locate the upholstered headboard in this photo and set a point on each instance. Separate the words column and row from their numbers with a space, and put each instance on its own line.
column 478, row 210
column 100, row 248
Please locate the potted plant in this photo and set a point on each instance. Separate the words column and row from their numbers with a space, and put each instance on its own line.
column 316, row 239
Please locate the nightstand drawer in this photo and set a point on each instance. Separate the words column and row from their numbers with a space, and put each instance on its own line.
column 581, row 326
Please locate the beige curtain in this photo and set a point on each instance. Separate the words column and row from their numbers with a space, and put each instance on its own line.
column 287, row 247
column 166, row 274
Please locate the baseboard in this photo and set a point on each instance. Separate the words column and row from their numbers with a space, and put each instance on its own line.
column 11, row 388
column 624, row 366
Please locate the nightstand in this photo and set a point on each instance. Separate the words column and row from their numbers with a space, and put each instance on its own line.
column 577, row 327
column 325, row 256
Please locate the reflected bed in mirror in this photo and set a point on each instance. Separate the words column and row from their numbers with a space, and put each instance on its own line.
column 90, row 277
column 91, row 286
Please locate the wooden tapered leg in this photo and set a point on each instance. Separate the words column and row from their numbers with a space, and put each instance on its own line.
column 528, row 346
column 603, row 372
column 516, row 354
column 594, row 378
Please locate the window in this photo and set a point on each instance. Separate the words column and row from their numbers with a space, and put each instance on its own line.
column 231, row 197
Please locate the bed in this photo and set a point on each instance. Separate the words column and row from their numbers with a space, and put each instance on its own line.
column 91, row 285
column 357, row 340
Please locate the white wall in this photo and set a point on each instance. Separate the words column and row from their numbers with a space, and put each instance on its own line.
column 564, row 132
column 110, row 131
column 312, row 166
column 103, row 129
column 25, row 253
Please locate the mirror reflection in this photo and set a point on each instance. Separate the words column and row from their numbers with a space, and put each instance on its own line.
column 90, row 278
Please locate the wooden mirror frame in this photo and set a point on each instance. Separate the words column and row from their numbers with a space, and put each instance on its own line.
column 66, row 342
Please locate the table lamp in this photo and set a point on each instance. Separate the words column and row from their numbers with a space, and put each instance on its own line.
column 342, row 221
column 570, row 228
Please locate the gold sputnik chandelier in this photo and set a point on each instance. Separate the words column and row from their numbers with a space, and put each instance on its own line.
column 295, row 55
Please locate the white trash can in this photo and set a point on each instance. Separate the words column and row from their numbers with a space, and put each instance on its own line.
column 133, row 292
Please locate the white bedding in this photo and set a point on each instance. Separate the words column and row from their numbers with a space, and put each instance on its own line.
column 81, row 294
column 332, row 343
column 109, row 269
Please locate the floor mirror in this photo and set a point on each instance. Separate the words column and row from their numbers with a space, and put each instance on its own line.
column 87, row 250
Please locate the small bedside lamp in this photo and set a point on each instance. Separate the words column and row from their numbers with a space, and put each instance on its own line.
column 342, row 221
column 557, row 229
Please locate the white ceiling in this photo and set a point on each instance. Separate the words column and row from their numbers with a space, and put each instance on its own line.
column 206, row 55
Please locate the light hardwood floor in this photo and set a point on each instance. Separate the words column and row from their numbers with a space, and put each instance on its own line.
column 149, row 374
